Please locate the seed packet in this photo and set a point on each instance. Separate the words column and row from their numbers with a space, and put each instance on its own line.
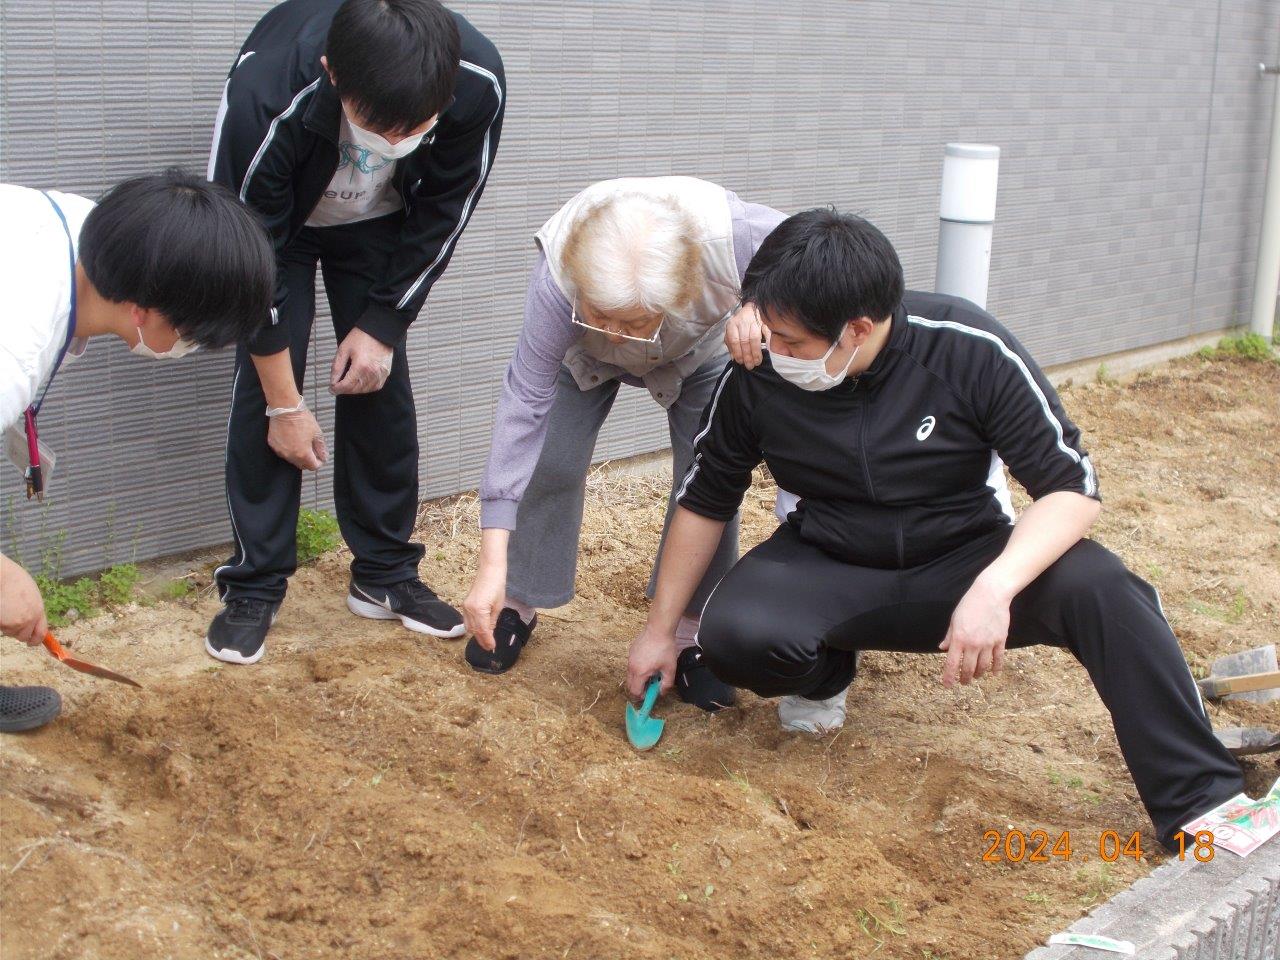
column 1241, row 825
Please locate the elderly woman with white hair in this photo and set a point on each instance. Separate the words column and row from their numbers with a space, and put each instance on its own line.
column 634, row 281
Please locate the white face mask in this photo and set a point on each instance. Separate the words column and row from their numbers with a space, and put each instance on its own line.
column 811, row 374
column 379, row 145
column 179, row 349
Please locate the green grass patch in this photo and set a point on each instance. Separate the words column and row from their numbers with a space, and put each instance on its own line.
column 317, row 535
column 1247, row 346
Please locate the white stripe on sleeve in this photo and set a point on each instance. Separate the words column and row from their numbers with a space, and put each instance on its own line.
column 271, row 133
column 1090, row 479
column 711, row 418
column 471, row 197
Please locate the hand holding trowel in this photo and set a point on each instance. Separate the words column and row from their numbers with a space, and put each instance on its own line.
column 644, row 730
column 54, row 647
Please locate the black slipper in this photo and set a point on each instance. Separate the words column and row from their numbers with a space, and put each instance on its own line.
column 509, row 636
column 696, row 684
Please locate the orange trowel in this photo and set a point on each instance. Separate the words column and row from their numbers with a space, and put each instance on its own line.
column 54, row 647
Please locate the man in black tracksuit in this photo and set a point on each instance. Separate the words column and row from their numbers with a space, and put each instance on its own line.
column 885, row 426
column 363, row 132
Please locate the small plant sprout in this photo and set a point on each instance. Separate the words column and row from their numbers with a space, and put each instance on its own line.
column 317, row 535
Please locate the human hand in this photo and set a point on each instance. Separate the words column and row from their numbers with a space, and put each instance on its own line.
column 362, row 364
column 483, row 604
column 654, row 651
column 976, row 638
column 22, row 613
column 743, row 335
column 295, row 436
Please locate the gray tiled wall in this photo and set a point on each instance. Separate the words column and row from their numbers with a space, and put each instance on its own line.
column 1133, row 139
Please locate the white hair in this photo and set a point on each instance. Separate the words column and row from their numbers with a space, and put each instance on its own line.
column 635, row 250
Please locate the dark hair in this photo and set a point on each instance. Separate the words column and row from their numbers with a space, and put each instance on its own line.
column 394, row 60
column 822, row 269
column 183, row 246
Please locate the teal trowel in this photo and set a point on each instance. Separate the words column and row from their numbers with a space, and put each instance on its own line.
column 643, row 730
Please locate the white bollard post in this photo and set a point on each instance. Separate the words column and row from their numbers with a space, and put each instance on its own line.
column 1267, row 278
column 968, row 216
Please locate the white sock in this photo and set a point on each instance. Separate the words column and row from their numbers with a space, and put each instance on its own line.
column 527, row 613
column 687, row 632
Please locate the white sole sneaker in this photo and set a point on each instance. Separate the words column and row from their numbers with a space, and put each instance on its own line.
column 230, row 656
column 798, row 715
column 376, row 611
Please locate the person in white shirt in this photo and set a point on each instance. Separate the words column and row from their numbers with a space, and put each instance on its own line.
column 166, row 263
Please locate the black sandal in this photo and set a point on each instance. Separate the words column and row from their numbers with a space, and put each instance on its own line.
column 510, row 636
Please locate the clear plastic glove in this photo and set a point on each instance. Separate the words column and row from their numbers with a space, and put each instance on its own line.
column 362, row 364
column 651, row 652
column 294, row 435
column 21, row 606
column 744, row 334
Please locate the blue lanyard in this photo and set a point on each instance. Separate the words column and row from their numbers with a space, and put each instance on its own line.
column 71, row 318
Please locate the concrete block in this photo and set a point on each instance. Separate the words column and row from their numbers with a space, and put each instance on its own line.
column 1227, row 909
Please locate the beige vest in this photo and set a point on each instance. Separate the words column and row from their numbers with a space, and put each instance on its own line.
column 685, row 342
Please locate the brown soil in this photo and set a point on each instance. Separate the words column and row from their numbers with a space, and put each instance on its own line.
column 361, row 793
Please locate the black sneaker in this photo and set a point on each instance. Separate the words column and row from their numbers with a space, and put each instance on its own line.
column 239, row 633
column 510, row 635
column 25, row 708
column 696, row 684
column 411, row 602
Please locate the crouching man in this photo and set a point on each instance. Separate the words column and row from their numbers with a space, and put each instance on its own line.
column 882, row 411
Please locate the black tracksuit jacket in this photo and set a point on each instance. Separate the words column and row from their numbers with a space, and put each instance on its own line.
column 892, row 466
column 276, row 145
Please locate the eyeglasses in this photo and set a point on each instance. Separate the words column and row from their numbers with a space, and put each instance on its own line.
column 616, row 333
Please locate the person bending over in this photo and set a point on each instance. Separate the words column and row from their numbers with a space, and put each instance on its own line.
column 882, row 411
column 633, row 283
column 364, row 132
column 164, row 263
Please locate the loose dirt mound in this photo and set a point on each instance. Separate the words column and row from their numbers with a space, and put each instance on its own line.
column 361, row 793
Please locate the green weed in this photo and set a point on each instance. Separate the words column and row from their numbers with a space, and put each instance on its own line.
column 1232, row 614
column 876, row 925
column 60, row 599
column 1096, row 885
column 1247, row 346
column 178, row 589
column 739, row 778
column 86, row 596
column 116, row 584
column 317, row 535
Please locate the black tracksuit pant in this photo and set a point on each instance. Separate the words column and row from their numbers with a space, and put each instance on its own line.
column 375, row 438
column 788, row 618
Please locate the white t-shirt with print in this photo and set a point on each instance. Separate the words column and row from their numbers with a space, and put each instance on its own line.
column 362, row 187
